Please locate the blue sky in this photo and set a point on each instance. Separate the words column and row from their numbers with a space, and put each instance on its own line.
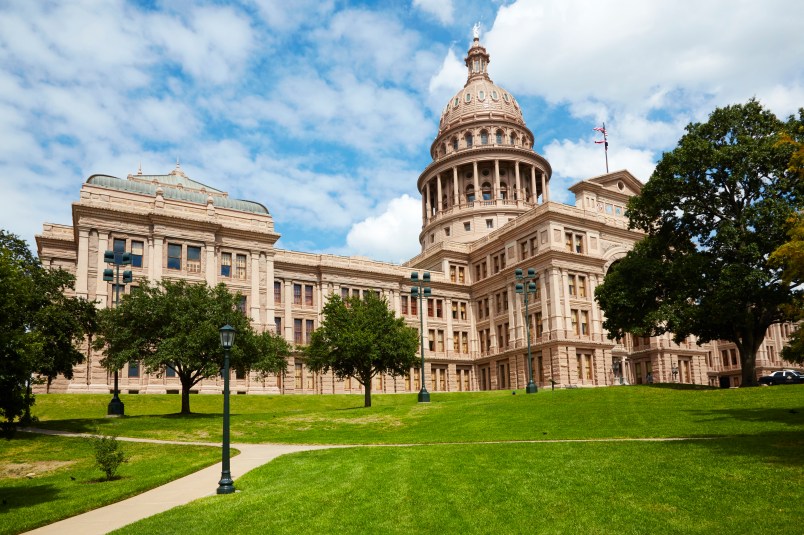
column 324, row 111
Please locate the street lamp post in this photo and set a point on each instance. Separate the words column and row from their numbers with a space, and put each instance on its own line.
column 116, row 258
column 527, row 286
column 226, row 485
column 421, row 292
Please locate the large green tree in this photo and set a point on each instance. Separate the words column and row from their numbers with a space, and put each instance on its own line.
column 362, row 338
column 176, row 324
column 713, row 211
column 40, row 326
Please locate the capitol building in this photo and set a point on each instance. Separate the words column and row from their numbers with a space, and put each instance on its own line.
column 485, row 211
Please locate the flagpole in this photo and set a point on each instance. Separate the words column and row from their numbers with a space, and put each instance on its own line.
column 606, row 147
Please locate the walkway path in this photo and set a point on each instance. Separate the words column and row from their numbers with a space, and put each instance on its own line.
column 178, row 492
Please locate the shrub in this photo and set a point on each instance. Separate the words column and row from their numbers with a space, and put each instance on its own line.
column 108, row 455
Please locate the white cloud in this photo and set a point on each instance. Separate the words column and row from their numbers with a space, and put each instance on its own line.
column 447, row 81
column 393, row 235
column 440, row 9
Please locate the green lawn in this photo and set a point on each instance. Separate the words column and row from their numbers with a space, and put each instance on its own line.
column 633, row 412
column 743, row 473
column 752, row 485
column 65, row 481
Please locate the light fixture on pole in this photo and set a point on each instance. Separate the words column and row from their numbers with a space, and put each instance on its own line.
column 420, row 291
column 226, row 485
column 116, row 258
column 527, row 286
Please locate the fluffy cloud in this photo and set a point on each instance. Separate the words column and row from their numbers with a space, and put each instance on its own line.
column 440, row 9
column 392, row 235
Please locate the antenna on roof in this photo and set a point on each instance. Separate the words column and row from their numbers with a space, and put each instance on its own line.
column 139, row 168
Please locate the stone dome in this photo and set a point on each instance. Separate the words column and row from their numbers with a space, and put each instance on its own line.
column 480, row 95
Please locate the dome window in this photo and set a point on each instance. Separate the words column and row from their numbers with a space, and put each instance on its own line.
column 469, row 140
column 468, row 97
column 485, row 172
column 503, row 191
column 513, row 139
column 505, row 97
column 499, row 135
column 481, row 95
column 486, row 189
column 456, row 102
column 484, row 137
column 470, row 193
column 468, row 175
column 454, row 143
column 494, row 95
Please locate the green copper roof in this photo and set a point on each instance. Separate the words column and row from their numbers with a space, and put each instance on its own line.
column 170, row 191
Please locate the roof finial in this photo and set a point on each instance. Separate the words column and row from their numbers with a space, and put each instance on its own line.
column 139, row 168
column 476, row 30
column 178, row 166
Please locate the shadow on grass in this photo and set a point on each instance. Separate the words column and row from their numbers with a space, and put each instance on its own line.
column 103, row 424
column 783, row 447
column 793, row 416
column 680, row 386
column 17, row 496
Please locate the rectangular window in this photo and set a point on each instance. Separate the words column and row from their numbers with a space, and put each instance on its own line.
column 439, row 308
column 462, row 308
column 477, row 272
column 308, row 295
column 467, row 226
column 461, row 275
column 584, row 322
column 297, row 375
column 277, row 292
column 119, row 245
column 465, row 342
column 523, row 250
column 170, row 371
column 226, row 265
column 240, row 266
column 133, row 369
column 241, row 304
column 452, row 274
column 430, row 310
column 431, row 340
column 489, row 223
column 571, row 282
column 534, row 246
column 297, row 331
column 574, row 314
column 440, row 341
column 309, row 326
column 193, row 259
column 579, row 364
column 136, row 253
column 581, row 286
column 297, row 291
column 174, row 256
column 344, row 293
column 539, row 325
column 414, row 307
column 404, row 305
column 456, row 341
column 278, row 325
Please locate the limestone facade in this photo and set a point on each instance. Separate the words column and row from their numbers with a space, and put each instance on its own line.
column 486, row 210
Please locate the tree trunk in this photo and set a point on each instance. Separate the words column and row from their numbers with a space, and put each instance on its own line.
column 185, row 395
column 748, row 357
column 367, row 394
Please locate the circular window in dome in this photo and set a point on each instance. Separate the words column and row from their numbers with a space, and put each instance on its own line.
column 485, row 172
column 506, row 97
column 468, row 175
column 494, row 95
column 481, row 95
column 455, row 102
column 467, row 97
column 502, row 172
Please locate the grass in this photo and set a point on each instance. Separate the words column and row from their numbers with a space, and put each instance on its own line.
column 66, row 481
column 622, row 412
column 752, row 485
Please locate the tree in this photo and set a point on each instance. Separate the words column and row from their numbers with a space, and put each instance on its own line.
column 362, row 339
column 175, row 324
column 714, row 210
column 40, row 326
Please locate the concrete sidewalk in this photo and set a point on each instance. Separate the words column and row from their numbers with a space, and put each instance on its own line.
column 178, row 492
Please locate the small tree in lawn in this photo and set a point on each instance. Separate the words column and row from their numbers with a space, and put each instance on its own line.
column 175, row 324
column 362, row 338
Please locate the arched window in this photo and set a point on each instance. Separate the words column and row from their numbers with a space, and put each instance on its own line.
column 486, row 189
column 443, row 149
column 470, row 193
column 503, row 191
column 499, row 137
column 484, row 137
column 468, row 140
column 444, row 202
column 454, row 143
column 513, row 139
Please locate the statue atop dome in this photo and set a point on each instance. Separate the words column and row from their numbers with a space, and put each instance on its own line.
column 476, row 30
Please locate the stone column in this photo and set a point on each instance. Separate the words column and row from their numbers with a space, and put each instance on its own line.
column 82, row 266
column 448, row 336
column 596, row 328
column 427, row 201
column 439, row 206
column 476, row 181
column 556, row 316
column 496, row 179
column 534, row 194
column 100, row 288
column 566, row 308
column 545, row 188
column 255, row 287
column 455, row 188
column 212, row 265
column 518, row 183
column 288, row 315
column 156, row 276
column 271, row 303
